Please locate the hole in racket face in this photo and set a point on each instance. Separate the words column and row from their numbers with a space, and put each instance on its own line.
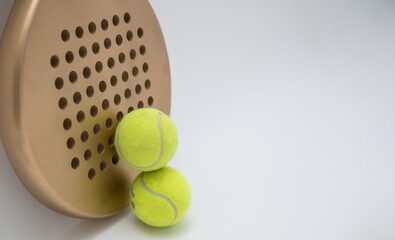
column 107, row 73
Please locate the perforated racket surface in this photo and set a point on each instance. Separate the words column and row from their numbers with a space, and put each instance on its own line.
column 69, row 71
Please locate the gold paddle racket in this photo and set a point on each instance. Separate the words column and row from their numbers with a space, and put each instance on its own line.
column 69, row 71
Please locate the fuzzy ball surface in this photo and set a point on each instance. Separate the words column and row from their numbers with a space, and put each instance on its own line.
column 160, row 198
column 146, row 139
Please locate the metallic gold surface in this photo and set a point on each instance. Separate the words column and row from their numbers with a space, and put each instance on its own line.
column 63, row 91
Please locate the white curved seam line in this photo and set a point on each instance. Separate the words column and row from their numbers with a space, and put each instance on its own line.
column 161, row 147
column 158, row 195
column 117, row 143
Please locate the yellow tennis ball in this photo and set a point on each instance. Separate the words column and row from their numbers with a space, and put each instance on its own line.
column 146, row 139
column 160, row 198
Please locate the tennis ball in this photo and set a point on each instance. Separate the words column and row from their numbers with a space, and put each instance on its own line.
column 146, row 139
column 160, row 198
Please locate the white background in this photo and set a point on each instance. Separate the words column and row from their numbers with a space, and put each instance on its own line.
column 285, row 111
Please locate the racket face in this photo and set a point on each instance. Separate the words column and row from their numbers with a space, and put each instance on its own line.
column 70, row 70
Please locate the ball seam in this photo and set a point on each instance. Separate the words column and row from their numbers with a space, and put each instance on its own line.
column 160, row 196
column 161, row 147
